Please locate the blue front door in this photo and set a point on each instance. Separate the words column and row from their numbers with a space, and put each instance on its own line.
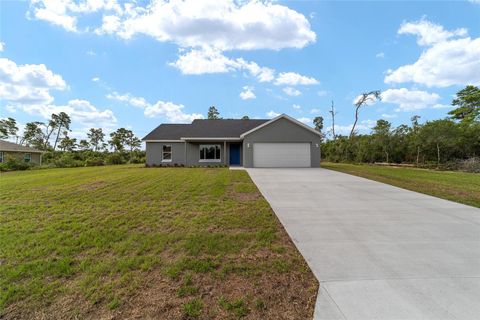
column 235, row 154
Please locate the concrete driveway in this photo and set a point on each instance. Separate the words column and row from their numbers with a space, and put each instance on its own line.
column 379, row 252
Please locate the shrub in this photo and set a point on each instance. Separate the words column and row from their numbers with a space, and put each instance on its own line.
column 137, row 160
column 14, row 164
column 94, row 161
column 115, row 158
column 67, row 160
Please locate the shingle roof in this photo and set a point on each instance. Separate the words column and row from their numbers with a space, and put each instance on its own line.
column 10, row 146
column 221, row 128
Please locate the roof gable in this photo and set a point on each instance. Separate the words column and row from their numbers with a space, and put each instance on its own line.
column 282, row 116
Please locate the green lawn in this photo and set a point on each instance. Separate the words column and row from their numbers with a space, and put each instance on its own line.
column 129, row 241
column 456, row 186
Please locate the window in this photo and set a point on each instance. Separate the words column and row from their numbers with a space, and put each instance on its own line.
column 1, row 156
column 27, row 157
column 166, row 153
column 209, row 153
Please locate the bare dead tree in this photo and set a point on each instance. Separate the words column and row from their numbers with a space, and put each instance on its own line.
column 362, row 100
column 333, row 113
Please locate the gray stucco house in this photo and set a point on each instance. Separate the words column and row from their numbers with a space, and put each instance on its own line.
column 279, row 142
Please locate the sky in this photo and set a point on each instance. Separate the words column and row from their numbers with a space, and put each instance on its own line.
column 137, row 64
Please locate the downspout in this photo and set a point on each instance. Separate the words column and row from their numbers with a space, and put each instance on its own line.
column 225, row 152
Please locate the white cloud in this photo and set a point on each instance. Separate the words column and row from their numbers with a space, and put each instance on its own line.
column 388, row 116
column 65, row 13
column 29, row 83
column 202, row 61
column 474, row 1
column 322, row 93
column 447, row 60
column 380, row 55
column 169, row 110
column 296, row 107
column 408, row 100
column 305, row 120
column 272, row 114
column 95, row 79
column 91, row 53
column 314, row 110
column 247, row 93
column 80, row 111
column 225, row 25
column 293, row 79
column 207, row 60
column 429, row 33
column 292, row 91
column 2, row 46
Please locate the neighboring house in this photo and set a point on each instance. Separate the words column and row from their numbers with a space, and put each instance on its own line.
column 279, row 142
column 22, row 153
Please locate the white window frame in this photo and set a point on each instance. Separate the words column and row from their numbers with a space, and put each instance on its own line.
column 29, row 156
column 208, row 146
column 1, row 156
column 163, row 153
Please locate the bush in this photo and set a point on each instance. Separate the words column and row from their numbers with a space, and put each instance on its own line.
column 115, row 158
column 67, row 160
column 137, row 160
column 14, row 164
column 91, row 162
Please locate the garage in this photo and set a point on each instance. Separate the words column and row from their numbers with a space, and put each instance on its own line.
column 278, row 155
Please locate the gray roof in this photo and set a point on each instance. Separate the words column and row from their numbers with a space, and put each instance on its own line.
column 10, row 146
column 221, row 128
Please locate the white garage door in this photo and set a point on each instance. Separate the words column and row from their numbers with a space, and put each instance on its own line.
column 276, row 155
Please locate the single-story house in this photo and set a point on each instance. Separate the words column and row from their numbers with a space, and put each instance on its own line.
column 279, row 142
column 22, row 153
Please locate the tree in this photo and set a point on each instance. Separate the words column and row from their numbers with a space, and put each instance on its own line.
column 96, row 137
column 213, row 113
column 8, row 128
column 67, row 143
column 381, row 133
column 318, row 122
column 440, row 136
column 62, row 121
column 468, row 103
column 84, row 145
column 33, row 135
column 245, row 118
column 118, row 139
column 362, row 100
column 415, row 140
column 132, row 141
column 333, row 113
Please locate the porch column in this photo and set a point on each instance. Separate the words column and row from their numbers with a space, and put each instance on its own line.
column 225, row 152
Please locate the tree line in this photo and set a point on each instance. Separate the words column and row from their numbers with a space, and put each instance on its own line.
column 452, row 142
column 52, row 136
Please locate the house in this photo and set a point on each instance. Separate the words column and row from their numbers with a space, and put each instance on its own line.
column 22, row 153
column 279, row 142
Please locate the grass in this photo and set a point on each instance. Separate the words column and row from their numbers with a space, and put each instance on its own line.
column 461, row 187
column 129, row 241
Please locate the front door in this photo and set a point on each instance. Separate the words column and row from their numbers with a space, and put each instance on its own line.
column 235, row 154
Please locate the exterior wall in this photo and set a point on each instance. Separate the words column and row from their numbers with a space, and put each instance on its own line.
column 282, row 130
column 188, row 157
column 35, row 157
column 193, row 154
column 154, row 153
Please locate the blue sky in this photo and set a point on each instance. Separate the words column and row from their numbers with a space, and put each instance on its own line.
column 112, row 63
